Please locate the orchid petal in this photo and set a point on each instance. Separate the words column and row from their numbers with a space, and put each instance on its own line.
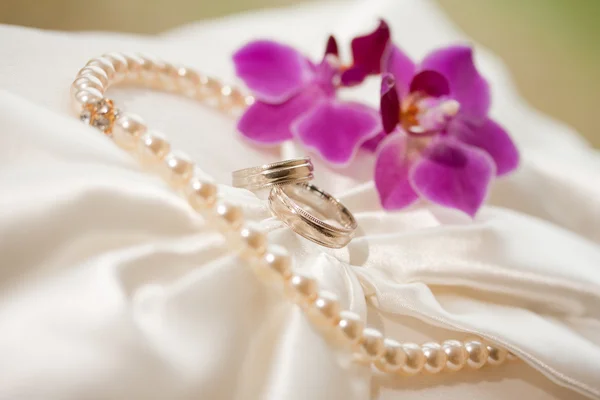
column 274, row 72
column 401, row 67
column 353, row 76
column 325, row 73
column 431, row 83
column 332, row 46
column 389, row 103
column 373, row 144
column 336, row 130
column 270, row 123
column 368, row 50
column 392, row 169
column 491, row 138
column 453, row 175
column 466, row 84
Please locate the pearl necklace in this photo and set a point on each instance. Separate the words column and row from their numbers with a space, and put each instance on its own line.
column 272, row 265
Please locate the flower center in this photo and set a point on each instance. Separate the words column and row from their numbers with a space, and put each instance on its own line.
column 422, row 115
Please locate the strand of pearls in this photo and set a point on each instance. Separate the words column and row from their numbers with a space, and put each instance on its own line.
column 271, row 264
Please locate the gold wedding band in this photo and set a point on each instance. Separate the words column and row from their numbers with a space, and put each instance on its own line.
column 313, row 214
column 269, row 175
column 306, row 209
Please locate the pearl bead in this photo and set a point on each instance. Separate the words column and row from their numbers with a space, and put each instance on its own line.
column 325, row 310
column 477, row 354
column 201, row 194
column 456, row 355
column 231, row 98
column 189, row 81
column 134, row 65
column 415, row 359
column 84, row 97
column 371, row 346
column 86, row 82
column 226, row 97
column 127, row 130
column 435, row 357
column 152, row 148
column 88, row 96
column 276, row 265
column 95, row 71
column 178, row 169
column 151, row 68
column 226, row 91
column 119, row 64
column 103, row 64
column 209, row 87
column 393, row 358
column 169, row 77
column 254, row 242
column 230, row 216
column 249, row 100
column 302, row 289
column 238, row 98
column 351, row 327
column 496, row 355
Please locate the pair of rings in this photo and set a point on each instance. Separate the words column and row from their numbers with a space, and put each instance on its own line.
column 306, row 209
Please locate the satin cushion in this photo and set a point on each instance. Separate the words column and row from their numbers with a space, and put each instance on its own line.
column 113, row 288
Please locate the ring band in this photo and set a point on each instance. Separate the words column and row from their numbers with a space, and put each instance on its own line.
column 286, row 172
column 313, row 214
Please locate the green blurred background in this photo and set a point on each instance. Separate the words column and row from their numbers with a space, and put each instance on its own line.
column 550, row 46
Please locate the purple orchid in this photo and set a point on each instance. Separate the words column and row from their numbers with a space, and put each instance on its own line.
column 296, row 98
column 442, row 146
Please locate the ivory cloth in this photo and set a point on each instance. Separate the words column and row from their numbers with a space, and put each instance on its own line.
column 112, row 288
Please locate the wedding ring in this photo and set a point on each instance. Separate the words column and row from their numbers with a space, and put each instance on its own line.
column 313, row 214
column 286, row 172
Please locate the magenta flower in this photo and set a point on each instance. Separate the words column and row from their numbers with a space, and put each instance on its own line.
column 296, row 98
column 442, row 146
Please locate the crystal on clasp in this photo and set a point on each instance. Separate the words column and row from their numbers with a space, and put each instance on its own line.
column 101, row 115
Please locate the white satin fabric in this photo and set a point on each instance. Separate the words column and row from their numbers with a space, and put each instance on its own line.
column 112, row 288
